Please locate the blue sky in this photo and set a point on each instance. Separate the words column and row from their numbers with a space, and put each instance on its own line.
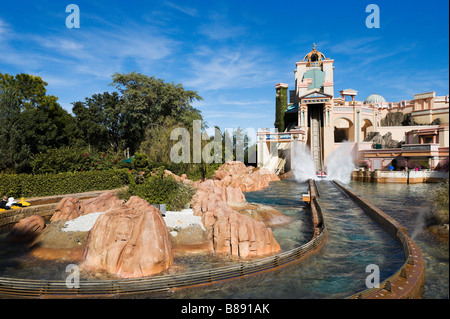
column 231, row 52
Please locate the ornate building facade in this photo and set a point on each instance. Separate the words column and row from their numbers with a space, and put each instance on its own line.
column 316, row 118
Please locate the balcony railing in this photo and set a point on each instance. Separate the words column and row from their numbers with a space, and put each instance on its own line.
column 281, row 137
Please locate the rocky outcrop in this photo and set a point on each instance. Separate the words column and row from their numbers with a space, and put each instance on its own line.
column 223, row 193
column 181, row 178
column 129, row 240
column 71, row 207
column 386, row 141
column 27, row 229
column 101, row 203
column 242, row 236
column 236, row 174
column 266, row 214
column 132, row 239
column 68, row 208
column 229, row 232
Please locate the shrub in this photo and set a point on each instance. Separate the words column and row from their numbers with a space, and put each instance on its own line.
column 67, row 159
column 414, row 165
column 424, row 165
column 28, row 185
column 157, row 189
column 363, row 164
column 440, row 203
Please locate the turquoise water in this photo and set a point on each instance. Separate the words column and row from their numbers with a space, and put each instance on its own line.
column 336, row 271
column 407, row 204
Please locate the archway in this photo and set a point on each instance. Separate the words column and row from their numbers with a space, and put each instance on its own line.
column 366, row 128
column 343, row 130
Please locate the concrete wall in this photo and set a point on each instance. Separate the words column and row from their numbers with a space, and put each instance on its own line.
column 402, row 177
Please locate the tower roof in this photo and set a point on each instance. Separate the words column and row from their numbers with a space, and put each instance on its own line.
column 314, row 55
column 374, row 99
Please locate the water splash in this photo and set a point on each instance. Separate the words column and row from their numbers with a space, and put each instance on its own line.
column 304, row 166
column 421, row 222
column 340, row 163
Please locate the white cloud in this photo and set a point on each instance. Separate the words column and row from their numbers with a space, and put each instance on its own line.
column 186, row 10
column 243, row 103
column 225, row 68
column 361, row 46
column 94, row 52
column 218, row 31
column 4, row 33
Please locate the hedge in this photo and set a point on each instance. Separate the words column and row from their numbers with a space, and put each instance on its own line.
column 29, row 185
column 158, row 190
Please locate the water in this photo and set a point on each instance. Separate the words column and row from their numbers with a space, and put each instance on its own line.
column 340, row 163
column 304, row 166
column 339, row 166
column 336, row 271
column 409, row 204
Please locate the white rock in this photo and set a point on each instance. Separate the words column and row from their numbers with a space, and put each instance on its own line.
column 182, row 219
column 82, row 223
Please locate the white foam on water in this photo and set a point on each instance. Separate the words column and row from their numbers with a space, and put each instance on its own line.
column 340, row 163
column 304, row 167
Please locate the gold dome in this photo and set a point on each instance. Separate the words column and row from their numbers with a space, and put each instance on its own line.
column 314, row 57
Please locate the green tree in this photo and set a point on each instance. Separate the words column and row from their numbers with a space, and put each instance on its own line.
column 46, row 127
column 100, row 121
column 29, row 89
column 14, row 152
column 31, row 121
column 147, row 100
column 157, row 144
column 280, row 107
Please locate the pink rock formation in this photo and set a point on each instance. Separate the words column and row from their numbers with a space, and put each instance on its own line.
column 236, row 174
column 130, row 240
column 176, row 177
column 68, row 208
column 71, row 207
column 27, row 229
column 228, row 194
column 242, row 236
column 99, row 204
column 230, row 232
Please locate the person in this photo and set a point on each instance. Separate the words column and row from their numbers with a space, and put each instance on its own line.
column 11, row 202
column 3, row 203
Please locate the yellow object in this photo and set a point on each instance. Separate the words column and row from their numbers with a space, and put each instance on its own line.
column 24, row 203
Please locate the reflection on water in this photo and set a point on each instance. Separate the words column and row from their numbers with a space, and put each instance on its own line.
column 336, row 271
